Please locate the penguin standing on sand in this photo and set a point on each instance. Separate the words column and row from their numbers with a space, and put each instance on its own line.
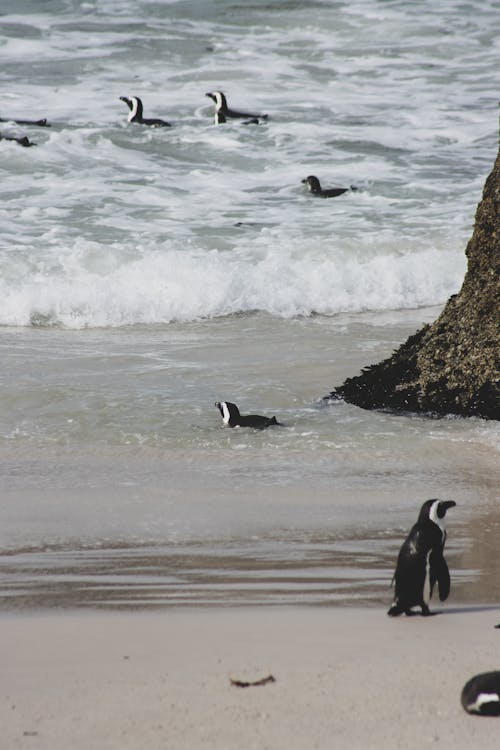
column 421, row 561
column 231, row 417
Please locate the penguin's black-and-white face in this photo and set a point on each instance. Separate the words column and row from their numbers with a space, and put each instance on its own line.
column 228, row 411
column 225, row 412
column 135, row 106
column 435, row 511
column 219, row 99
column 312, row 183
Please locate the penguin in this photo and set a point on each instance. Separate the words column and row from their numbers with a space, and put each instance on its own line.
column 39, row 123
column 23, row 140
column 481, row 694
column 314, row 186
column 222, row 111
column 232, row 418
column 135, row 115
column 421, row 561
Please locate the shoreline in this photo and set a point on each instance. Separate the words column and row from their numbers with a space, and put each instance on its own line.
column 344, row 678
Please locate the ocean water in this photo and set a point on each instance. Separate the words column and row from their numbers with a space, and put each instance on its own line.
column 146, row 273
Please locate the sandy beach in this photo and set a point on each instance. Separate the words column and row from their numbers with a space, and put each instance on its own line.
column 150, row 556
column 344, row 678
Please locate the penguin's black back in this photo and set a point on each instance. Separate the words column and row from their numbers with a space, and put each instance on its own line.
column 481, row 694
column 39, row 123
column 409, row 577
column 257, row 421
column 420, row 555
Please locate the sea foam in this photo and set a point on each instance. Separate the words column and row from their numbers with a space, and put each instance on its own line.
column 91, row 289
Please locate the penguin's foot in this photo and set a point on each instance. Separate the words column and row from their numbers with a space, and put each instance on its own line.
column 426, row 611
column 398, row 609
column 395, row 610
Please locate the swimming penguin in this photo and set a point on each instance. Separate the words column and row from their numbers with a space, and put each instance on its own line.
column 222, row 111
column 481, row 694
column 135, row 115
column 421, row 562
column 314, row 186
column 232, row 418
column 23, row 140
column 39, row 123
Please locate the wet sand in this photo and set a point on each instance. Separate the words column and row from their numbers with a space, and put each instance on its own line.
column 344, row 678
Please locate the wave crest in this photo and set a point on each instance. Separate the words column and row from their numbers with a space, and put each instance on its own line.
column 161, row 286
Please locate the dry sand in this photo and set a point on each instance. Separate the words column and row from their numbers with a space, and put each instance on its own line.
column 345, row 678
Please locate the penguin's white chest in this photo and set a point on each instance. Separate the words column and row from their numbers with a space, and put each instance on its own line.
column 225, row 413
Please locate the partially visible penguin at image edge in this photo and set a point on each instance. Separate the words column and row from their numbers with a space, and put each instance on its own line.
column 481, row 694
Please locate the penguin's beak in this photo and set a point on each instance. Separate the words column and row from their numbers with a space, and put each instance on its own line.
column 448, row 504
column 211, row 96
column 124, row 99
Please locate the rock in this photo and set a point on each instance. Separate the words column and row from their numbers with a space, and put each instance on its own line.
column 451, row 366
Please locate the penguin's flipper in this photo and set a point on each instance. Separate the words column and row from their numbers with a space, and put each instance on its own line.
column 444, row 582
column 441, row 574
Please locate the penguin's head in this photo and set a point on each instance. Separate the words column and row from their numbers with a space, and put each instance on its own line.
column 135, row 106
column 229, row 412
column 219, row 100
column 435, row 510
column 312, row 183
